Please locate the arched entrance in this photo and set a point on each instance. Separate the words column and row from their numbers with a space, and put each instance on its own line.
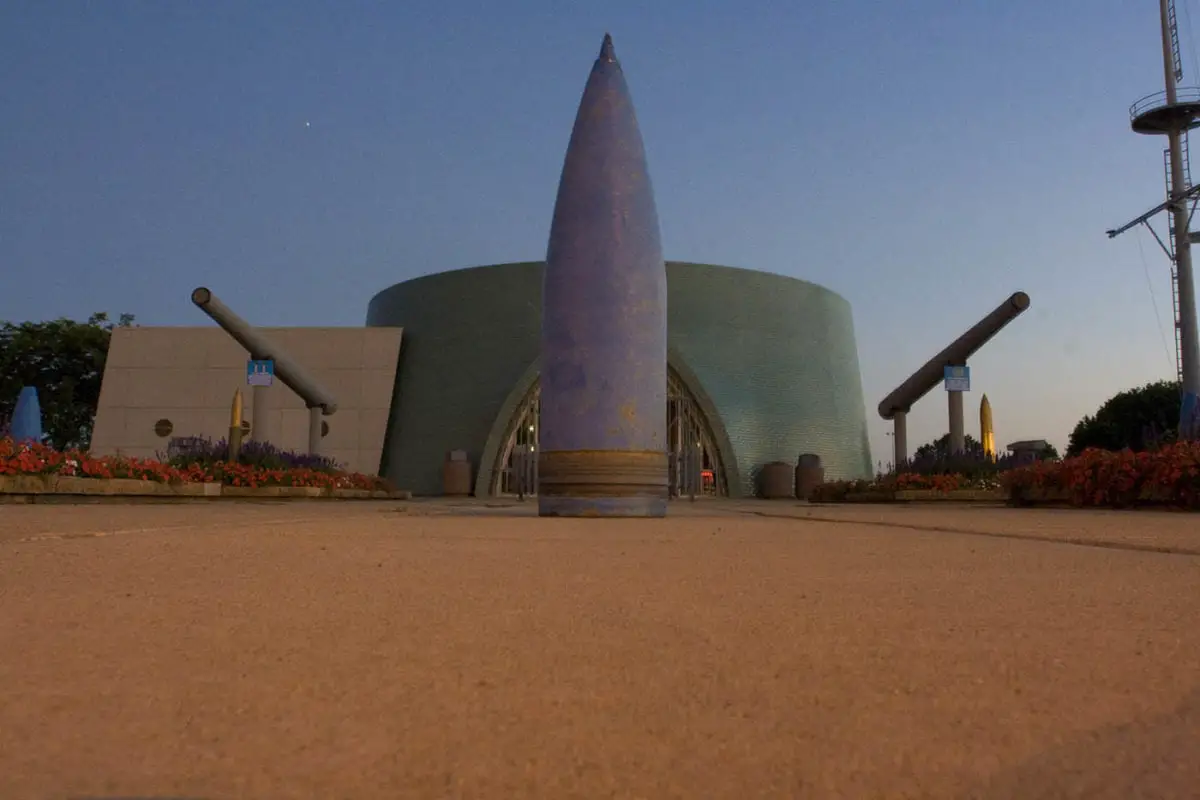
column 695, row 464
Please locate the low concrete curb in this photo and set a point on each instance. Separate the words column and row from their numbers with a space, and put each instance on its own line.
column 953, row 496
column 31, row 487
column 1024, row 498
column 990, row 496
column 1147, row 498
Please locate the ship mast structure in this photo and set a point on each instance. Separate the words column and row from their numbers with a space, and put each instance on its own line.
column 1172, row 113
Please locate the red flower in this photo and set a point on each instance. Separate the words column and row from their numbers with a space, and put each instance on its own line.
column 38, row 459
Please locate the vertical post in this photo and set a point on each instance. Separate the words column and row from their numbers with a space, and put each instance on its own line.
column 519, row 470
column 314, row 431
column 1189, row 354
column 694, row 464
column 958, row 441
column 258, row 420
column 532, row 482
column 674, row 451
column 899, row 439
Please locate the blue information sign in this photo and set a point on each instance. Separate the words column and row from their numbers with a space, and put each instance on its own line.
column 260, row 373
column 958, row 379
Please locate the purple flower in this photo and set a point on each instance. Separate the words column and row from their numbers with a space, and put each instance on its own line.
column 202, row 450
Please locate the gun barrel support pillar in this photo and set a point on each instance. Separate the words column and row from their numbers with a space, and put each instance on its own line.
column 899, row 438
column 957, row 438
column 258, row 414
column 314, row 430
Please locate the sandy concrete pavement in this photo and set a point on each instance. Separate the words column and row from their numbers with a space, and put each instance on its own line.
column 364, row 650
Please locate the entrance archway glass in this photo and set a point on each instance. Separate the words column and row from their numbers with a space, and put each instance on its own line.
column 695, row 466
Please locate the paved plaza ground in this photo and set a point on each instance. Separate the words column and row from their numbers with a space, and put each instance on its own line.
column 733, row 650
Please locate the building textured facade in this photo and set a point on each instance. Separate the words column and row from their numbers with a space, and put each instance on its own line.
column 772, row 361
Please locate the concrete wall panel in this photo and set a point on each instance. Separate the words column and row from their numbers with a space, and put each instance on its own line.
column 188, row 375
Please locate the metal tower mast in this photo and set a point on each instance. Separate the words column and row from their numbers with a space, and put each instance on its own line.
column 1174, row 112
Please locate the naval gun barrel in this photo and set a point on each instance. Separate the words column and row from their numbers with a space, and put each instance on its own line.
column 260, row 347
column 906, row 394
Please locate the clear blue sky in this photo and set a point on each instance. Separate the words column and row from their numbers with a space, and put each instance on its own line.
column 924, row 159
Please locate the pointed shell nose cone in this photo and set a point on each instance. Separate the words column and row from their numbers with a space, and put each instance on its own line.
column 606, row 49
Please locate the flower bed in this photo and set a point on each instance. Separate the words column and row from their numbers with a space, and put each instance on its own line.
column 905, row 486
column 40, row 460
column 1169, row 476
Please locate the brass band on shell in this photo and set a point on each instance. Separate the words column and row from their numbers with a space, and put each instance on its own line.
column 602, row 473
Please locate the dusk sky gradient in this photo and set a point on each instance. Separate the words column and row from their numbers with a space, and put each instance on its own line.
column 924, row 159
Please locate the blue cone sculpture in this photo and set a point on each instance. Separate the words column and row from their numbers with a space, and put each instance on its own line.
column 1189, row 417
column 27, row 417
column 604, row 320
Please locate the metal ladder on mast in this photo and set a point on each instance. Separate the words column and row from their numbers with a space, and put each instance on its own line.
column 1176, row 59
column 1187, row 180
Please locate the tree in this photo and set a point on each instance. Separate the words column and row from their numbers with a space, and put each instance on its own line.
column 1136, row 418
column 64, row 360
column 940, row 448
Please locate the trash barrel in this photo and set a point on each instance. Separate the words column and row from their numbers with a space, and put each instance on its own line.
column 778, row 481
column 809, row 475
column 456, row 474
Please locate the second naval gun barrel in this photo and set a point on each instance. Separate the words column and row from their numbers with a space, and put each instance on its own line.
column 260, row 347
column 906, row 394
